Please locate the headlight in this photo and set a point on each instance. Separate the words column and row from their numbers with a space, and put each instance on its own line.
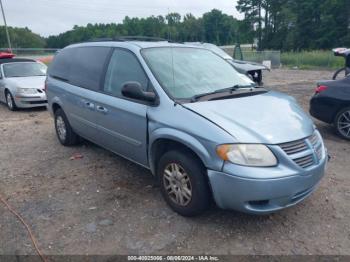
column 247, row 155
column 27, row 91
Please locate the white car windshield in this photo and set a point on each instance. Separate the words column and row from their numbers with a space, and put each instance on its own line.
column 24, row 69
column 185, row 72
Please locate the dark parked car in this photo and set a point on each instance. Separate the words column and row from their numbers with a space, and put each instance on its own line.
column 331, row 104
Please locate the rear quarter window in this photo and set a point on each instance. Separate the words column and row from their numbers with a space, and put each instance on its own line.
column 81, row 66
column 60, row 66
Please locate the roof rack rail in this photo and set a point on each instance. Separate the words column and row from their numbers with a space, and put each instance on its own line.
column 129, row 38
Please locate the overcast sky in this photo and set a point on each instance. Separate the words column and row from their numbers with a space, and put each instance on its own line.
column 50, row 17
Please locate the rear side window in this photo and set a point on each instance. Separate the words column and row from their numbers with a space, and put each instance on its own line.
column 81, row 66
column 123, row 67
column 60, row 66
column 87, row 67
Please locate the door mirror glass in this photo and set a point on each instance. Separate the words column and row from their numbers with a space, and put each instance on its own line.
column 134, row 90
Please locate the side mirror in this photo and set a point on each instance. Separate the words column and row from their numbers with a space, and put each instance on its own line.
column 134, row 90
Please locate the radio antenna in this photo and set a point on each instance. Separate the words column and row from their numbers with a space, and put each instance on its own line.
column 169, row 36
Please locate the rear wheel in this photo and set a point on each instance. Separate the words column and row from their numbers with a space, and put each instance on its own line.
column 340, row 73
column 64, row 131
column 10, row 102
column 183, row 183
column 342, row 123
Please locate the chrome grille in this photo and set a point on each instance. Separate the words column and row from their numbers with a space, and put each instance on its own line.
column 294, row 147
column 302, row 147
column 314, row 139
column 317, row 145
column 305, row 161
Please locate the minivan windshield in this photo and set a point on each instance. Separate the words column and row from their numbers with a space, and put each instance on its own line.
column 24, row 69
column 185, row 72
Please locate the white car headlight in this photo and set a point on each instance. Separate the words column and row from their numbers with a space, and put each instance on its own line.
column 27, row 91
column 247, row 155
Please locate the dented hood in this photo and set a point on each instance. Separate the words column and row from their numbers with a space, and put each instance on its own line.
column 269, row 118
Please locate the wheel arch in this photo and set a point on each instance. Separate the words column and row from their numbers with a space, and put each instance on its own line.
column 6, row 90
column 341, row 108
column 55, row 106
column 165, row 139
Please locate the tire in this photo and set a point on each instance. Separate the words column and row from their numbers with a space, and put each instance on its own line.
column 342, row 123
column 64, row 131
column 10, row 102
column 336, row 74
column 193, row 174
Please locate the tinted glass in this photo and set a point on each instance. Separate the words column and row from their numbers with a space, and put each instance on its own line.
column 24, row 69
column 81, row 66
column 123, row 67
column 87, row 67
column 186, row 72
column 61, row 64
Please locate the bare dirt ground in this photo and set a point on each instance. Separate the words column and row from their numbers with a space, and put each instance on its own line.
column 103, row 204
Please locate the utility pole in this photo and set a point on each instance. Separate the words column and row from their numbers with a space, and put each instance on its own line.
column 7, row 32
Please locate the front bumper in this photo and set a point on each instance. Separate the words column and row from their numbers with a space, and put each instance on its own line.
column 263, row 196
column 29, row 101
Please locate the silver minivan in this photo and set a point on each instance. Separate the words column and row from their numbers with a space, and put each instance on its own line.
column 204, row 130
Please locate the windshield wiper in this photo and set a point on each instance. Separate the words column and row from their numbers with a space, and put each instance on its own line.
column 224, row 90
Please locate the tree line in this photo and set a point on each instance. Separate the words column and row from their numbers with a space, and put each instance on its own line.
column 215, row 27
column 270, row 24
column 298, row 24
column 21, row 37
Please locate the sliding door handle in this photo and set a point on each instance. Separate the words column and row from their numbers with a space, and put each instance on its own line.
column 102, row 109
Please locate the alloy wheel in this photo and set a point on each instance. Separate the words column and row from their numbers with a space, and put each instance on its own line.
column 61, row 128
column 344, row 124
column 177, row 184
column 9, row 101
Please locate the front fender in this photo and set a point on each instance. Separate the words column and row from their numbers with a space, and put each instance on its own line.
column 181, row 137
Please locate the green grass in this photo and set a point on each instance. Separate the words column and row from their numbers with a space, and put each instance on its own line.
column 311, row 60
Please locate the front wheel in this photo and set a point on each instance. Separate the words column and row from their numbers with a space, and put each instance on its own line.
column 342, row 123
column 183, row 183
column 10, row 102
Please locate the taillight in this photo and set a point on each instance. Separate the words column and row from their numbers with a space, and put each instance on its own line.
column 320, row 89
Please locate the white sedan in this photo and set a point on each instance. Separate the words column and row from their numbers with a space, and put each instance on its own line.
column 22, row 83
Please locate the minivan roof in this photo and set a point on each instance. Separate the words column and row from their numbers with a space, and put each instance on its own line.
column 133, row 43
